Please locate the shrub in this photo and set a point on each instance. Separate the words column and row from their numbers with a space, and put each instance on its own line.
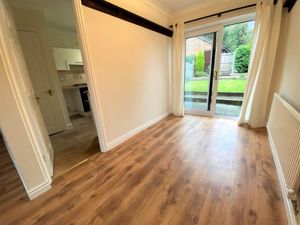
column 190, row 58
column 203, row 74
column 242, row 58
column 199, row 63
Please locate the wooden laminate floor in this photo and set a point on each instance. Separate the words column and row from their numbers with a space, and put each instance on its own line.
column 10, row 182
column 181, row 171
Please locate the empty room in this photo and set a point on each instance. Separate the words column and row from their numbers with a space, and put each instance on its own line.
column 149, row 112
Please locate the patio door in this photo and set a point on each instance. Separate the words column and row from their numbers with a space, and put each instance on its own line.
column 216, row 68
column 203, row 51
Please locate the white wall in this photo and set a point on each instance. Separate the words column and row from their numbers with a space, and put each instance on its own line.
column 62, row 39
column 286, row 78
column 130, row 67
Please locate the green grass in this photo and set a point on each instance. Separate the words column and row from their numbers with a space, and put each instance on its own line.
column 223, row 86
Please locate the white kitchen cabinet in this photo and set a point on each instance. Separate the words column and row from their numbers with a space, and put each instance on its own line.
column 64, row 57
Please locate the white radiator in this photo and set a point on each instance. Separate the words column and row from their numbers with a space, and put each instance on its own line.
column 284, row 132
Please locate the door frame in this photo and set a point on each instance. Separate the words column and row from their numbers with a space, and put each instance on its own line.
column 16, row 72
column 216, row 26
column 95, row 107
column 21, row 83
column 198, row 32
column 94, row 103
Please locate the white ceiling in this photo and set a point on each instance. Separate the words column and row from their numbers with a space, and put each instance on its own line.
column 176, row 5
column 58, row 13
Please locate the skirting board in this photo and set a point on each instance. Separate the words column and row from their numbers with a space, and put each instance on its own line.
column 37, row 191
column 135, row 131
column 69, row 126
column 287, row 203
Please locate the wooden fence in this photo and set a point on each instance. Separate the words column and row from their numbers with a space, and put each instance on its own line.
column 226, row 67
column 227, row 64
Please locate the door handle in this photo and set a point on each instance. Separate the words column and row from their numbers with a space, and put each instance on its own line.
column 216, row 75
column 37, row 98
column 50, row 92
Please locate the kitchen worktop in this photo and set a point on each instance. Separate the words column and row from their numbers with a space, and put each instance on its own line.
column 75, row 86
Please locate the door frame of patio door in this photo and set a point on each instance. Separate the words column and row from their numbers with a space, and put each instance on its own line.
column 217, row 61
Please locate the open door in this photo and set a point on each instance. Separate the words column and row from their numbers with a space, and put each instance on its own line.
column 40, row 78
column 22, row 85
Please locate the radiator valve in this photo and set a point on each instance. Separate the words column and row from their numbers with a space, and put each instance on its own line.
column 293, row 197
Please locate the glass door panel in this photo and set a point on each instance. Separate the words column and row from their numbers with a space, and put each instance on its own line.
column 199, row 70
column 233, row 71
column 216, row 69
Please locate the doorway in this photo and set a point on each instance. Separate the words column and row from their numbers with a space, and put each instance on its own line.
column 58, row 78
column 216, row 69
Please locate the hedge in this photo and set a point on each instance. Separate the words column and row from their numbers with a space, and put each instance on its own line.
column 242, row 58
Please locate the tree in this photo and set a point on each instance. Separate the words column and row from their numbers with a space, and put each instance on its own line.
column 199, row 63
column 242, row 58
column 237, row 35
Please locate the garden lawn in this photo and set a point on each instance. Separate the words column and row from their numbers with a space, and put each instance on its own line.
column 223, row 86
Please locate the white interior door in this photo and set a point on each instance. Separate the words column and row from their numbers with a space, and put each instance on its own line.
column 22, row 84
column 41, row 81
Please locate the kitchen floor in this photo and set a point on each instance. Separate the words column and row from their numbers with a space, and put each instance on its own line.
column 75, row 145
